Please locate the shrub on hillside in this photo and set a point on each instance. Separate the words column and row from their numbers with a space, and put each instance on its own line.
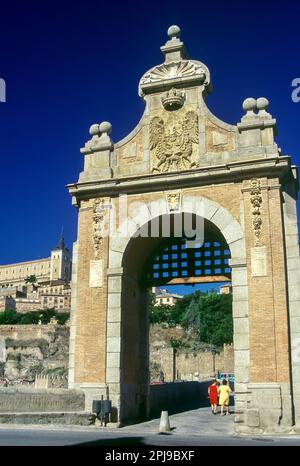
column 44, row 316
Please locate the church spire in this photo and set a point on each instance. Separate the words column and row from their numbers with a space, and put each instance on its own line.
column 61, row 243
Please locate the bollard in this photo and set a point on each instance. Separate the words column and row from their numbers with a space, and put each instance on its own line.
column 164, row 425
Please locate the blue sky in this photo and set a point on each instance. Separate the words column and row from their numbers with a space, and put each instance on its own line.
column 70, row 64
column 187, row 289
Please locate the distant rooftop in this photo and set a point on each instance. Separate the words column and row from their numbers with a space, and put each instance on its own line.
column 167, row 294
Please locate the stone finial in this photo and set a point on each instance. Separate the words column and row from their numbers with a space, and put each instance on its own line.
column 177, row 71
column 257, row 127
column 174, row 32
column 97, row 153
column 262, row 104
column 98, row 129
column 249, row 105
column 94, row 130
column 174, row 49
column 100, row 138
column 105, row 127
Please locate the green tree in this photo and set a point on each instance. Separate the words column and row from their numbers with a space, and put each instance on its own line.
column 160, row 315
column 208, row 315
column 192, row 318
column 31, row 280
column 9, row 317
column 32, row 318
column 29, row 318
column 180, row 308
column 176, row 343
column 216, row 319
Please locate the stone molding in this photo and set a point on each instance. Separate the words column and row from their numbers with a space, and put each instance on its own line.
column 201, row 176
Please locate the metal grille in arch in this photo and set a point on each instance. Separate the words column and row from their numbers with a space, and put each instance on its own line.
column 174, row 261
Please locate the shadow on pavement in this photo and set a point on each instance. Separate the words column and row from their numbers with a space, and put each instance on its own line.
column 118, row 441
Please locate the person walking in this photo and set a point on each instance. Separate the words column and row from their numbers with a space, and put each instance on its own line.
column 224, row 392
column 213, row 396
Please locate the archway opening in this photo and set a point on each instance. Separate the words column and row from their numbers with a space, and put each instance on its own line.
column 150, row 263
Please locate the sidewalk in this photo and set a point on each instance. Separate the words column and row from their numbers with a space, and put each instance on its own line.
column 189, row 423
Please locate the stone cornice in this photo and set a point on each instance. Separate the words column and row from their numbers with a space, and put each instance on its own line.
column 231, row 172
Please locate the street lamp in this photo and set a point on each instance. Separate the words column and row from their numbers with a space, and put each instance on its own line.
column 174, row 364
column 214, row 352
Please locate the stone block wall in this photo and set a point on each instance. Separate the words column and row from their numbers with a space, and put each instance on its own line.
column 187, row 364
column 27, row 305
column 28, row 399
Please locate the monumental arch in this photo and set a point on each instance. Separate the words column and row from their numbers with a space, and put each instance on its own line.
column 237, row 186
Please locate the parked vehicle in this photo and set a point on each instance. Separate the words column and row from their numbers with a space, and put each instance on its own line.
column 228, row 376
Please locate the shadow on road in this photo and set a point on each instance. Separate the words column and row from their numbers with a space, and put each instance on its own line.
column 118, row 441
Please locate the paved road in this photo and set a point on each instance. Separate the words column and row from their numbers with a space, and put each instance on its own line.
column 192, row 428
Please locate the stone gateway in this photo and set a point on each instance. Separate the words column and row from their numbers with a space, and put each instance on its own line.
column 182, row 164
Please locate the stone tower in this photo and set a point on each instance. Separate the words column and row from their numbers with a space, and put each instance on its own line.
column 235, row 182
column 61, row 263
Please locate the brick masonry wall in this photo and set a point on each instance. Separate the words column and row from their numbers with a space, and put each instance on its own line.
column 267, row 294
column 90, row 343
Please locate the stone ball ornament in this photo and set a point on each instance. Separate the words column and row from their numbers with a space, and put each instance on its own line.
column 94, row 130
column 174, row 31
column 105, row 127
column 262, row 103
column 249, row 104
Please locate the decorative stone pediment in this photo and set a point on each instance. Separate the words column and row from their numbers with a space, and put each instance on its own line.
column 173, row 70
column 177, row 131
column 185, row 71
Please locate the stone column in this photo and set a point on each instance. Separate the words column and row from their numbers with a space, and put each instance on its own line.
column 293, row 274
column 240, row 338
column 113, row 340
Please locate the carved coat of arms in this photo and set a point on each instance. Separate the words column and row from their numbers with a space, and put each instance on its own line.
column 171, row 143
